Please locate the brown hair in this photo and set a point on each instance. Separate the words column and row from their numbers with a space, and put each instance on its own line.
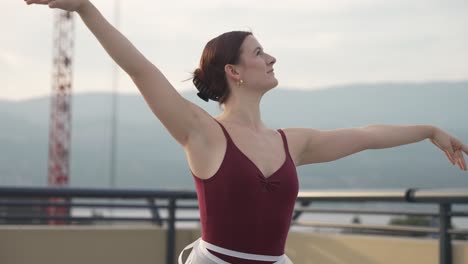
column 210, row 77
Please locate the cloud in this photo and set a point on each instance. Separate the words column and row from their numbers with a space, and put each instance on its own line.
column 317, row 43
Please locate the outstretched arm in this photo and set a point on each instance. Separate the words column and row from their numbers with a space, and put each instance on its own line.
column 176, row 113
column 316, row 146
column 387, row 136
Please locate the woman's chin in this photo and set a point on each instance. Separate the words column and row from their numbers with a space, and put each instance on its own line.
column 275, row 83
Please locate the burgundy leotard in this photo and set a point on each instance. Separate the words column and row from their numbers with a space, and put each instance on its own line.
column 242, row 210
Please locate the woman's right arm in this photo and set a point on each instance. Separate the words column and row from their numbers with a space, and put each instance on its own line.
column 178, row 115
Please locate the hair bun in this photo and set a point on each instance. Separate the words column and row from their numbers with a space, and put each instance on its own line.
column 204, row 93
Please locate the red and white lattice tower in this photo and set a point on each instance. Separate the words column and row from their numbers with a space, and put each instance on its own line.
column 60, row 109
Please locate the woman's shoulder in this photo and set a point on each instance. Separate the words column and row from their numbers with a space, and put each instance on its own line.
column 295, row 140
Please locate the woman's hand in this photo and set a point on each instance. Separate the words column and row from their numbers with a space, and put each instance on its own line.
column 452, row 147
column 68, row 5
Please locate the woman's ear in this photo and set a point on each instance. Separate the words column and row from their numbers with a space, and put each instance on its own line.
column 231, row 72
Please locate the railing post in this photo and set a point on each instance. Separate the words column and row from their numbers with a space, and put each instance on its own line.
column 154, row 212
column 445, row 241
column 171, row 232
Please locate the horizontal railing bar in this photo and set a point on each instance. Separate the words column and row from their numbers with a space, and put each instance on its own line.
column 297, row 223
column 143, row 206
column 38, row 192
column 57, row 204
column 363, row 211
column 91, row 218
column 376, row 212
column 379, row 227
column 443, row 195
column 105, row 205
column 458, row 231
column 452, row 195
column 368, row 227
column 460, row 214
column 395, row 195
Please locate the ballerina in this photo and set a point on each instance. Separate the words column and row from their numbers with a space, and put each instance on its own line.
column 244, row 172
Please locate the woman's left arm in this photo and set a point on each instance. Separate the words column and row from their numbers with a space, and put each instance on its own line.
column 387, row 136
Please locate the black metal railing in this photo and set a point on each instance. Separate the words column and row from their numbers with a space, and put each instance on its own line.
column 28, row 205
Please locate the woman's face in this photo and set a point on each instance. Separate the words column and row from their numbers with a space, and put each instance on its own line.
column 256, row 66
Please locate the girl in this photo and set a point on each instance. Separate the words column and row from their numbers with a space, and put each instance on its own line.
column 244, row 172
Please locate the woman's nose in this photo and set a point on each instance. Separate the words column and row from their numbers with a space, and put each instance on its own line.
column 272, row 60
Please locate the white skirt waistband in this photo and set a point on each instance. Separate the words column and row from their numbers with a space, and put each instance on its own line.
column 202, row 245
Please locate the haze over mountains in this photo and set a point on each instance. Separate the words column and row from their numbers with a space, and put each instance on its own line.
column 148, row 157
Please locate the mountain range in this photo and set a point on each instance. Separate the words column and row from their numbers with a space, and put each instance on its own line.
column 148, row 157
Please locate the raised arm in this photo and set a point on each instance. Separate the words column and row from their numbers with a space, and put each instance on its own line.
column 177, row 114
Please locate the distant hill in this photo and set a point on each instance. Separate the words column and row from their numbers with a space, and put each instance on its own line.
column 148, row 157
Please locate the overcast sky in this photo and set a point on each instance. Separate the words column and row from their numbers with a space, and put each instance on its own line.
column 316, row 43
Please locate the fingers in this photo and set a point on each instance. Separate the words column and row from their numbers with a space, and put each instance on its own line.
column 50, row 3
column 450, row 158
column 449, row 152
column 39, row 2
column 458, row 148
column 454, row 149
column 460, row 160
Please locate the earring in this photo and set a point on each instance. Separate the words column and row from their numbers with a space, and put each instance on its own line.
column 239, row 83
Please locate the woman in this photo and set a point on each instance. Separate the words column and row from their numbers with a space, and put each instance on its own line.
column 244, row 172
